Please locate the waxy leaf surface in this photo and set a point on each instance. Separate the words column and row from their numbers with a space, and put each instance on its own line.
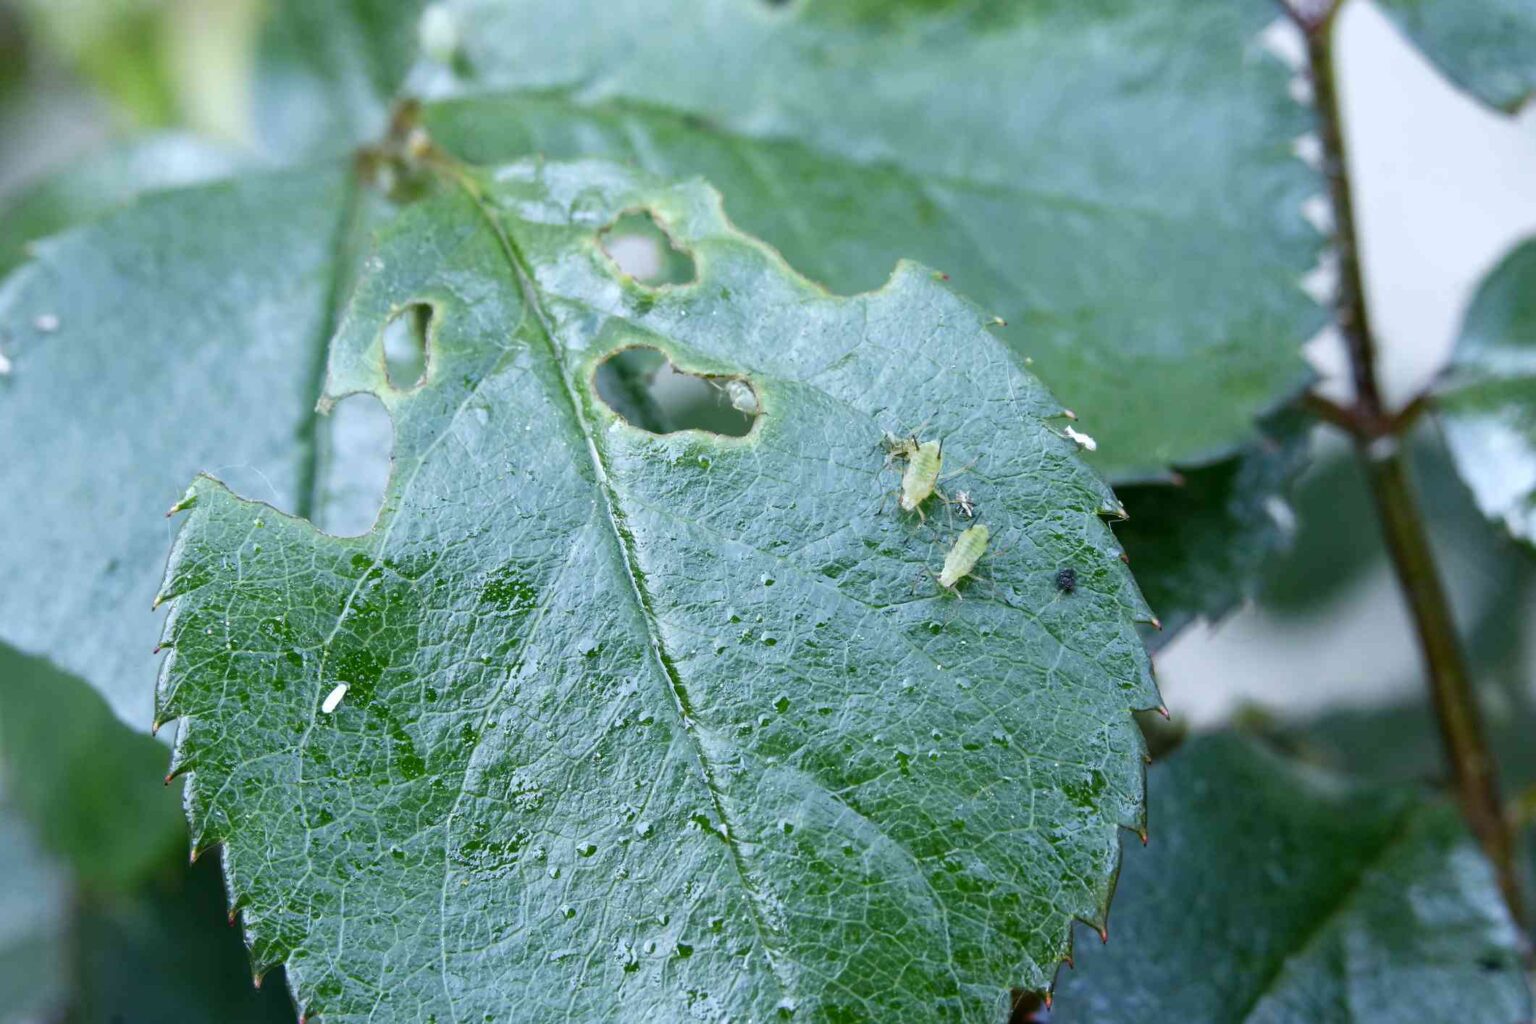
column 661, row 727
column 1275, row 894
column 1115, row 179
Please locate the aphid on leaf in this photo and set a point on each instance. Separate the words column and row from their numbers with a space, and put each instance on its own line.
column 963, row 555
column 921, row 477
column 1066, row 580
column 739, row 393
column 333, row 699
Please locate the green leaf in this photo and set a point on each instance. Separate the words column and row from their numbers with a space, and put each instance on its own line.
column 644, row 727
column 165, row 953
column 1197, row 549
column 1272, row 893
column 1488, row 47
column 1118, row 182
column 184, row 333
column 99, row 918
column 98, row 185
column 1488, row 399
column 34, row 903
column 89, row 786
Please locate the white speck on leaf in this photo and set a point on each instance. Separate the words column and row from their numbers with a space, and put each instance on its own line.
column 46, row 322
column 1083, row 440
column 5, row 365
column 333, row 699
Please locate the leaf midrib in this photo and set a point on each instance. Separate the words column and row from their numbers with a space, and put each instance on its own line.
column 615, row 517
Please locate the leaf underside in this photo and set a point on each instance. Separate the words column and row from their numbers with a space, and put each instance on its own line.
column 1276, row 895
column 1117, row 183
column 661, row 727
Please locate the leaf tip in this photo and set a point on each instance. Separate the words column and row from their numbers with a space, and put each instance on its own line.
column 186, row 501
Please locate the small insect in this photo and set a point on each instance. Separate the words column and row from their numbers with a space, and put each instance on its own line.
column 1066, row 580
column 963, row 555
column 921, row 477
column 964, row 503
column 739, row 393
column 898, row 447
column 743, row 398
column 333, row 699
column 1083, row 440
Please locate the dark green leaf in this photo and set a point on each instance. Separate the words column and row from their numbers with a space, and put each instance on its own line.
column 100, row 922
column 89, row 786
column 642, row 727
column 1116, row 181
column 165, row 953
column 1488, row 399
column 1197, row 548
column 1275, row 894
column 1488, row 47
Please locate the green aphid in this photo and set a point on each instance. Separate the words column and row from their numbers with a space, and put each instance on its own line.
column 921, row 477
column 963, row 555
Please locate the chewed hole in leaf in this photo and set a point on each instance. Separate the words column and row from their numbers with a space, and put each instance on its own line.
column 641, row 248
column 405, row 346
column 641, row 385
column 354, row 465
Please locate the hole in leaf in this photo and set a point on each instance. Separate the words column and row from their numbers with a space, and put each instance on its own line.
column 643, row 387
column 642, row 249
column 354, row 465
column 405, row 346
